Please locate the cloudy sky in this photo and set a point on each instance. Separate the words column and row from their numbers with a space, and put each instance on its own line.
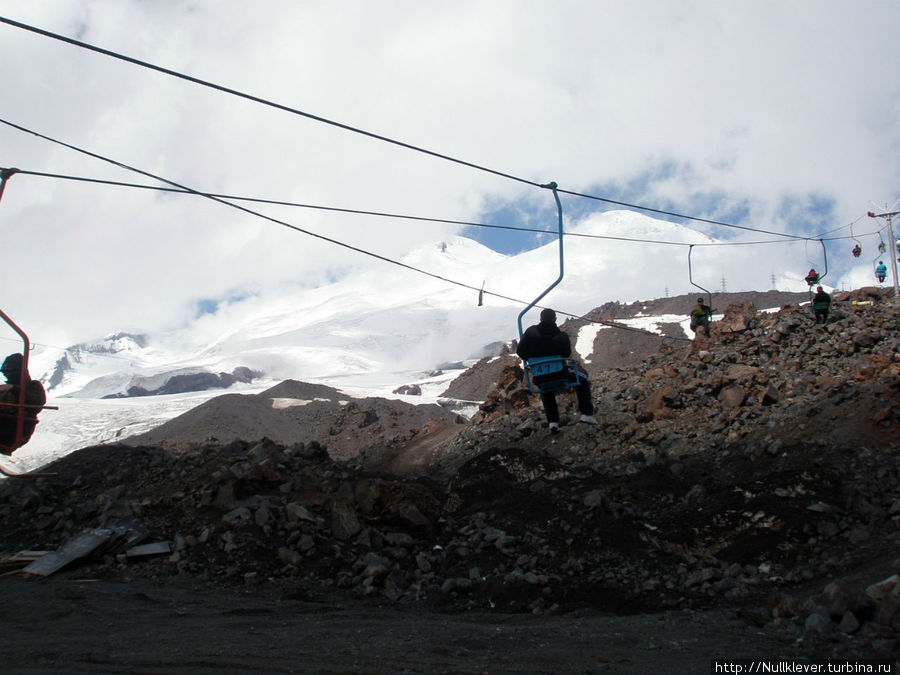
column 782, row 116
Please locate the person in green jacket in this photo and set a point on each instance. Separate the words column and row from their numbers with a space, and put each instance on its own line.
column 821, row 304
column 700, row 317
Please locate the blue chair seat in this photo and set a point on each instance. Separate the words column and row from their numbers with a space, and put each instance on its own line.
column 545, row 374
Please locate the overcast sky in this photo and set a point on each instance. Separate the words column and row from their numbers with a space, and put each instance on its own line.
column 780, row 115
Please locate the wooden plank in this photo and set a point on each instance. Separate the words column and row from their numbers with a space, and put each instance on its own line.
column 78, row 547
column 155, row 548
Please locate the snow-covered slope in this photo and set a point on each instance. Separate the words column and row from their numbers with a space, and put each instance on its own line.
column 388, row 319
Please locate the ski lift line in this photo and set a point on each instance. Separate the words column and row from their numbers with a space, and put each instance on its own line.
column 681, row 215
column 257, row 99
column 251, row 212
column 844, row 238
column 369, row 134
column 841, row 227
column 274, row 220
column 381, row 214
column 68, row 350
column 481, row 291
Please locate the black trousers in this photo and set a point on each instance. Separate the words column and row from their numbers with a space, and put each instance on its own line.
column 583, row 391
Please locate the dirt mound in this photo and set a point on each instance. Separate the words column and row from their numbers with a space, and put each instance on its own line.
column 299, row 412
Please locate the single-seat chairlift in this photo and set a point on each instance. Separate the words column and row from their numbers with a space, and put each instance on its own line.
column 818, row 280
column 814, row 278
column 878, row 262
column 20, row 412
column 857, row 248
column 545, row 366
column 694, row 283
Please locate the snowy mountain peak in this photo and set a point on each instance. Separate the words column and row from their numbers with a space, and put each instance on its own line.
column 384, row 321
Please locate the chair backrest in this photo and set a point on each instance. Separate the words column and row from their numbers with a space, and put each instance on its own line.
column 555, row 373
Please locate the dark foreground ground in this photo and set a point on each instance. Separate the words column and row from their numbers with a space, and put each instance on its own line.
column 74, row 626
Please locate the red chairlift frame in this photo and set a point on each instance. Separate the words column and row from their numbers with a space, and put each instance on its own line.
column 5, row 175
column 20, row 405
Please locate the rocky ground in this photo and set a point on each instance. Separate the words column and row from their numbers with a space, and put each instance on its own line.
column 740, row 494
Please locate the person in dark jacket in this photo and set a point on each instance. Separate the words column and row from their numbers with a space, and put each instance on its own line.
column 35, row 398
column 821, row 304
column 546, row 339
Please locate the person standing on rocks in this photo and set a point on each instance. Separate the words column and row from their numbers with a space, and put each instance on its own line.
column 821, row 304
column 700, row 317
column 35, row 398
column 546, row 339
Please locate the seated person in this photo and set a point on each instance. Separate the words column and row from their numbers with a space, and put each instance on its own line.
column 700, row 317
column 812, row 278
column 546, row 339
column 35, row 398
column 821, row 304
column 881, row 272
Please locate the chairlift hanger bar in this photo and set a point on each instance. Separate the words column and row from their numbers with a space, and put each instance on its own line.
column 691, row 278
column 20, row 417
column 825, row 258
column 550, row 186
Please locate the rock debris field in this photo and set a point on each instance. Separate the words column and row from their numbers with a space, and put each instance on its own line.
column 740, row 498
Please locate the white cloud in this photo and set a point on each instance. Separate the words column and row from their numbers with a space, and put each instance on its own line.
column 749, row 102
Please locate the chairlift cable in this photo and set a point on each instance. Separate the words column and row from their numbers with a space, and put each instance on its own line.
column 277, row 221
column 369, row 134
column 383, row 214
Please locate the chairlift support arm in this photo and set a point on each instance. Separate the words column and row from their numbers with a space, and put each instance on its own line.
column 20, row 418
column 553, row 187
column 825, row 259
column 694, row 283
column 5, row 175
